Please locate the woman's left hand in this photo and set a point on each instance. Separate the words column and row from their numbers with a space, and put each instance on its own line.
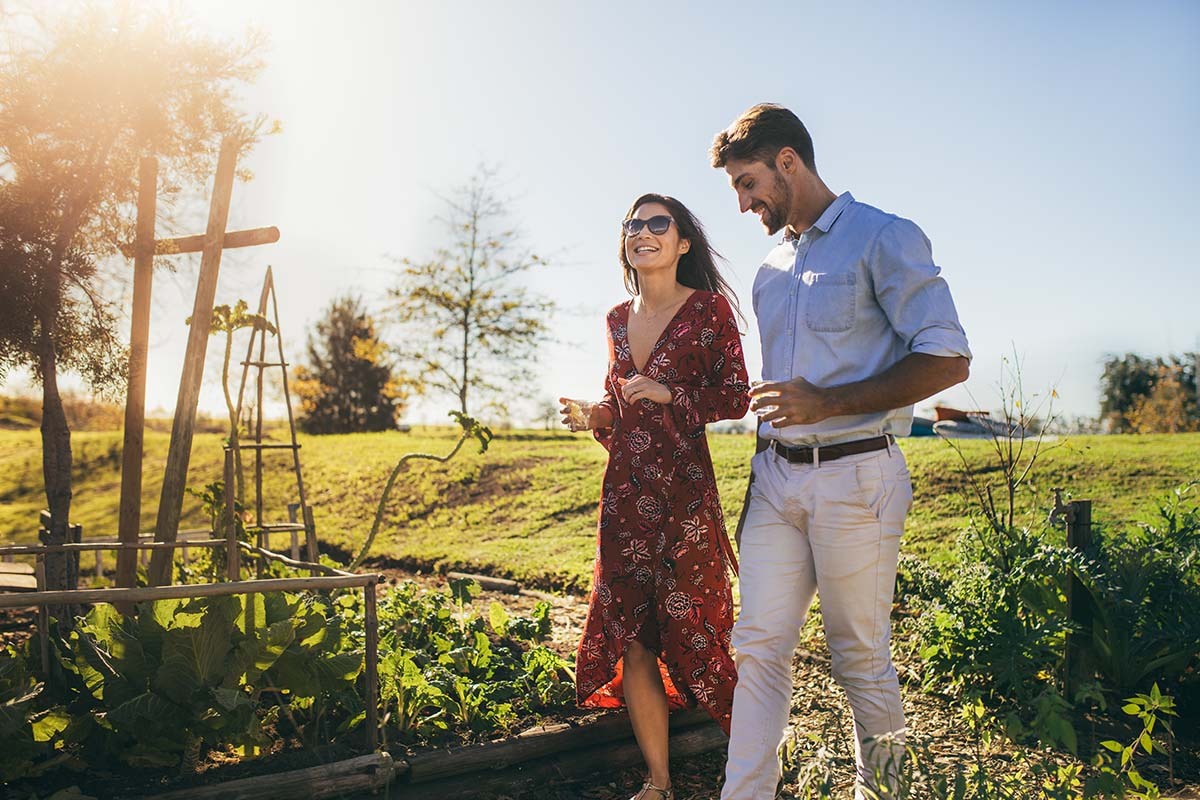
column 639, row 387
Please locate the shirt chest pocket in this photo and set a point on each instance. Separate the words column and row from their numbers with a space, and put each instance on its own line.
column 832, row 297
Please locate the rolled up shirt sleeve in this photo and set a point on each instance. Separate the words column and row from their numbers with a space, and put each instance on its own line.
column 913, row 294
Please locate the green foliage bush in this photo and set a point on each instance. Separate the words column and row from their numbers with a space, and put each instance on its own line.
column 998, row 624
column 159, row 688
column 994, row 633
column 1145, row 592
column 444, row 669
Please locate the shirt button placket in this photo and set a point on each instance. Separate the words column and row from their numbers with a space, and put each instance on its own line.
column 797, row 272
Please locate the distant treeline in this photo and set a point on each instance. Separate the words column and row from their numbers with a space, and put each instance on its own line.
column 84, row 413
column 1150, row 395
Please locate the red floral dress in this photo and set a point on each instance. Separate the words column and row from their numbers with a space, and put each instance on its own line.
column 662, row 553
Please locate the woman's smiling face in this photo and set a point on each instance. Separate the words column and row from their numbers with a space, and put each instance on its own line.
column 646, row 250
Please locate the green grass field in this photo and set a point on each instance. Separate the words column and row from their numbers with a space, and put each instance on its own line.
column 527, row 508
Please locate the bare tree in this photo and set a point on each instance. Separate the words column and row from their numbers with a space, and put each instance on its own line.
column 466, row 323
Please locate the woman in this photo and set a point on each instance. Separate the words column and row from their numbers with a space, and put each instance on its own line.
column 660, row 613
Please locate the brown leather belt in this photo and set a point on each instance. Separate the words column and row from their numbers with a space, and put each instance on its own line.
column 804, row 455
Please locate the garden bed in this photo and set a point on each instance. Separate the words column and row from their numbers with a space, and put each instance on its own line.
column 596, row 759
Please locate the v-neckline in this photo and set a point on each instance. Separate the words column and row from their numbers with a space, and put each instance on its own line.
column 662, row 336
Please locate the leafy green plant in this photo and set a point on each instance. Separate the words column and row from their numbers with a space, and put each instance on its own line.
column 445, row 669
column 211, row 562
column 30, row 731
column 1146, row 599
column 998, row 632
column 184, row 674
column 1123, row 779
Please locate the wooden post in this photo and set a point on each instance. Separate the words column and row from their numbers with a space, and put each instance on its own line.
column 39, row 572
column 370, row 667
column 183, row 425
column 258, row 414
column 1079, row 602
column 74, row 536
column 130, row 522
column 293, row 508
column 233, row 565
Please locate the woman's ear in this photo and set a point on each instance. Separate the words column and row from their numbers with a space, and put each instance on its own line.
column 684, row 245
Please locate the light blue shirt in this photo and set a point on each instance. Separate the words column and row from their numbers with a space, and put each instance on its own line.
column 844, row 301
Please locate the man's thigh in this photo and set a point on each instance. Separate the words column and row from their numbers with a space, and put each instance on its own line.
column 858, row 518
column 777, row 578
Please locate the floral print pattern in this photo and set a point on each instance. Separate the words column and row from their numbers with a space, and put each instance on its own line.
column 663, row 556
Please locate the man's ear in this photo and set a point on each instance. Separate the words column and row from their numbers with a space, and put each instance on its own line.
column 786, row 160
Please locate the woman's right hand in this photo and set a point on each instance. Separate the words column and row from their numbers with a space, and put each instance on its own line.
column 583, row 415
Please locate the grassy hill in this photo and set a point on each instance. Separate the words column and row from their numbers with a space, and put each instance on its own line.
column 527, row 508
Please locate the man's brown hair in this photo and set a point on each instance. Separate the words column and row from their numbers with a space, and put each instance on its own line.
column 759, row 134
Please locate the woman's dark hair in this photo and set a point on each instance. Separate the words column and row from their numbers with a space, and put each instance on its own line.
column 759, row 134
column 697, row 267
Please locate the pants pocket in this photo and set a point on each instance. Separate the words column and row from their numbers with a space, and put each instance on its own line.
column 886, row 493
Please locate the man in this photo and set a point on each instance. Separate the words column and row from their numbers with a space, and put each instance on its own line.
column 856, row 326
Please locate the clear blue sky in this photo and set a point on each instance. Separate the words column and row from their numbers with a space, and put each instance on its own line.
column 1047, row 150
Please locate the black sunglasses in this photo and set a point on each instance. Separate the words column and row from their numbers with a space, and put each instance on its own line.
column 658, row 225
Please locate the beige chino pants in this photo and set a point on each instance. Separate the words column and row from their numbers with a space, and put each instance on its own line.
column 831, row 528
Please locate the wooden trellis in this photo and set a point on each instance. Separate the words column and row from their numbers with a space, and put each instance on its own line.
column 210, row 245
column 301, row 517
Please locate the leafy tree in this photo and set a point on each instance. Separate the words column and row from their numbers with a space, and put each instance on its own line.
column 1129, row 379
column 1165, row 409
column 82, row 99
column 349, row 384
column 471, row 328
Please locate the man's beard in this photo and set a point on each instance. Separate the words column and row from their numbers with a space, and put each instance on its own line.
column 778, row 209
column 773, row 221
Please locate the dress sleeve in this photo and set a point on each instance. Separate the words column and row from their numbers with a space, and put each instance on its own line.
column 605, row 435
column 722, row 391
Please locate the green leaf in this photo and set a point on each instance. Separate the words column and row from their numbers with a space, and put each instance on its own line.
column 256, row 655
column 294, row 671
column 194, row 658
column 1111, row 745
column 339, row 668
column 1132, row 709
column 1146, row 742
column 464, row 590
column 498, row 618
column 253, row 613
column 231, row 699
column 54, row 722
column 147, row 709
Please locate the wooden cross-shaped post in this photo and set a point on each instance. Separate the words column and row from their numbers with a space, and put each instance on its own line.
column 210, row 245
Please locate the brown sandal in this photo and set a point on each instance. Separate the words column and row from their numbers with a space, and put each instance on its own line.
column 663, row 794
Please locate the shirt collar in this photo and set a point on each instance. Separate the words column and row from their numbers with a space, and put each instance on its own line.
column 828, row 217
